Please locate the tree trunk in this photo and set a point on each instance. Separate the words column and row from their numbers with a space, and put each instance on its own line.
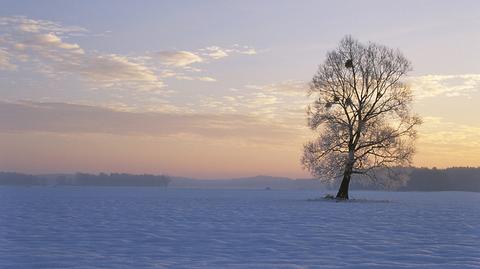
column 342, row 193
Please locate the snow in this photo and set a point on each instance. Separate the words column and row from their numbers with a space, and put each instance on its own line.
column 104, row 227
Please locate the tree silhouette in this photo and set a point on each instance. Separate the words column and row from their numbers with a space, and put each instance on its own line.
column 362, row 115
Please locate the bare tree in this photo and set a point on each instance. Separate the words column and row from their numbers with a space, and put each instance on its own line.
column 362, row 113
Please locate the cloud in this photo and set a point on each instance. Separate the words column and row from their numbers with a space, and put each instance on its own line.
column 249, row 51
column 261, row 100
column 42, row 44
column 49, row 40
column 244, row 49
column 443, row 142
column 5, row 63
column 447, row 85
column 26, row 25
column 205, row 79
column 183, row 60
column 438, row 131
column 286, row 88
column 49, row 48
column 216, row 52
column 117, row 69
column 178, row 58
column 74, row 118
column 283, row 103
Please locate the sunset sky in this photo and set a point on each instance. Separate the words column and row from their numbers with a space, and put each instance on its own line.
column 215, row 89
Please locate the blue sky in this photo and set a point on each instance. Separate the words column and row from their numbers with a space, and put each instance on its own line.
column 233, row 72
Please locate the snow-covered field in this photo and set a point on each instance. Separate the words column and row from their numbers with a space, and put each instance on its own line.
column 83, row 227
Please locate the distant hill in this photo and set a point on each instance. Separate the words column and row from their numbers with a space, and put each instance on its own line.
column 257, row 182
column 421, row 179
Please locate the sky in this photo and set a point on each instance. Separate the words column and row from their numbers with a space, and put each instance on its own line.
column 215, row 89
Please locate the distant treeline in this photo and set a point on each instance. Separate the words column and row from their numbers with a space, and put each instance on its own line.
column 83, row 179
column 450, row 179
column 421, row 179
column 433, row 179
